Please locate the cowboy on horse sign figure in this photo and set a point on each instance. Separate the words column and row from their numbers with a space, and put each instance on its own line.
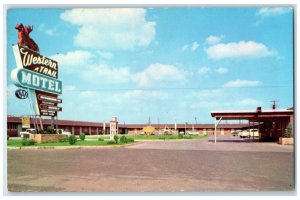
column 24, row 39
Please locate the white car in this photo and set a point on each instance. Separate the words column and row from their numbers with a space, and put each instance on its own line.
column 27, row 132
column 249, row 133
column 192, row 133
column 62, row 131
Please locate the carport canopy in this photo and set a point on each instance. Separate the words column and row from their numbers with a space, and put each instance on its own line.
column 251, row 115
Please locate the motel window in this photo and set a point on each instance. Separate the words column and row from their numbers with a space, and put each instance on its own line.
column 12, row 126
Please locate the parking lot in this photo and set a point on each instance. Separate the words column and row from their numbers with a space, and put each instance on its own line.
column 232, row 164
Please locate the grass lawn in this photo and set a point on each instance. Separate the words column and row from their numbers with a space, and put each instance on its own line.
column 93, row 140
column 14, row 142
column 18, row 143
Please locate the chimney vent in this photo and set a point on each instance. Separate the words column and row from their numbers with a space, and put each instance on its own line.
column 258, row 109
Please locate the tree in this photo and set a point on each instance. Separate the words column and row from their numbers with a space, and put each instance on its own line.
column 288, row 131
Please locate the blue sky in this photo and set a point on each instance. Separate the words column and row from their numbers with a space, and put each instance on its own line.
column 166, row 63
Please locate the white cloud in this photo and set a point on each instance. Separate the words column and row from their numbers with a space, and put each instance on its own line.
column 194, row 46
column 69, row 88
column 203, row 70
column 73, row 60
column 221, row 70
column 111, row 28
column 106, row 54
column 105, row 73
column 248, row 102
column 242, row 49
column 88, row 94
column 128, row 97
column 211, row 40
column 185, row 47
column 206, row 70
column 269, row 12
column 159, row 73
column 97, row 71
column 242, row 83
column 47, row 30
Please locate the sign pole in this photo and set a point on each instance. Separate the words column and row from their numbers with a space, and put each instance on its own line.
column 56, row 122
column 32, row 109
column 41, row 122
column 52, row 121
column 34, row 124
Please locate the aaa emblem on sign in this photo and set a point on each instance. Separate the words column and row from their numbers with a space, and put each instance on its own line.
column 21, row 94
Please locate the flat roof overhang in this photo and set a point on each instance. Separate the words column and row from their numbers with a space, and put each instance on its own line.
column 251, row 115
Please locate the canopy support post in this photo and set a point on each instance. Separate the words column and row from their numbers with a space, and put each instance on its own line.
column 217, row 122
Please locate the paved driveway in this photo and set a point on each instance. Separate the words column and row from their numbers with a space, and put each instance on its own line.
column 155, row 166
column 223, row 143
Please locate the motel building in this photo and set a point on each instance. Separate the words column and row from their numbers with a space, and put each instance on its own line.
column 14, row 127
column 270, row 123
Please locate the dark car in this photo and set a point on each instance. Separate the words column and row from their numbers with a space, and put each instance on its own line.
column 235, row 133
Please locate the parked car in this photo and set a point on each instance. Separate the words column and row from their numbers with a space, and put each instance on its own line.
column 249, row 133
column 193, row 133
column 235, row 133
column 63, row 132
column 27, row 132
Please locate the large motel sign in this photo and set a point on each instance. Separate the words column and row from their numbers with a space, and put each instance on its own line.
column 36, row 74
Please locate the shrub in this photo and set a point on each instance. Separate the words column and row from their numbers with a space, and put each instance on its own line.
column 116, row 139
column 123, row 139
column 27, row 142
column 72, row 139
column 130, row 140
column 180, row 136
column 111, row 142
column 7, row 137
column 50, row 130
column 41, row 132
column 100, row 139
column 82, row 136
column 59, row 131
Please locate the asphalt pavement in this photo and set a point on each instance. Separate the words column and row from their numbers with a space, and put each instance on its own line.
column 230, row 165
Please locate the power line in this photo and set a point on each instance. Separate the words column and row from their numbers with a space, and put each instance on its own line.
column 176, row 88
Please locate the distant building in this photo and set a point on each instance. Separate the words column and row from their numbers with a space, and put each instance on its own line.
column 14, row 127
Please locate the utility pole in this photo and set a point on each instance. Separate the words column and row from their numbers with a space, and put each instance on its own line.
column 274, row 106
